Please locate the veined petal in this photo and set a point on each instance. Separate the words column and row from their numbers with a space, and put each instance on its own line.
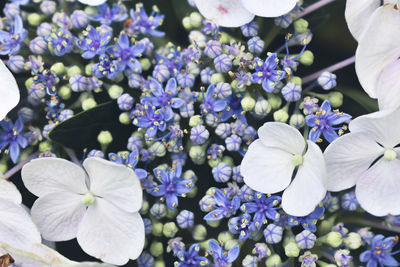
column 267, row 170
column 115, row 183
column 357, row 14
column 388, row 87
column 378, row 189
column 9, row 191
column 282, row 136
column 348, row 157
column 269, row 8
column 382, row 126
column 92, row 2
column 225, row 13
column 378, row 47
column 309, row 186
column 16, row 226
column 58, row 215
column 9, row 91
column 48, row 175
column 111, row 234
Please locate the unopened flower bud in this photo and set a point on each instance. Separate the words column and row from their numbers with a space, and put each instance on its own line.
column 158, row 149
column 170, row 229
column 300, row 26
column 195, row 19
column 275, row 101
column 156, row 248
column 336, row 99
column 199, row 232
column 281, row 115
column 327, row 80
column 34, row 19
column 353, row 240
column 124, row 118
column 197, row 154
column 273, row 261
column 88, row 103
column 297, row 120
column 65, row 92
column 58, row 68
column 333, row 239
column 104, row 138
column 186, row 23
column 157, row 229
column 74, row 70
column 307, row 58
column 216, row 78
column 247, row 103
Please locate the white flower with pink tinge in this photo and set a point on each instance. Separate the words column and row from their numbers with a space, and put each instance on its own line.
column 236, row 13
column 93, row 2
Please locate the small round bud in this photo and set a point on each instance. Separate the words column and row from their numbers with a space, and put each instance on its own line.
column 281, row 115
column 79, row 19
column 275, row 101
column 125, row 101
column 170, row 229
column 292, row 250
column 158, row 149
column 247, row 103
column 65, row 92
column 195, row 19
column 58, row 68
column 327, row 80
column 333, row 239
column 223, row 90
column 199, row 232
column 124, row 118
column 216, row 78
column 197, row 154
column 34, row 19
column 222, row 172
column 233, row 143
column 353, row 241
column 185, row 219
column 195, row 120
column 158, row 210
column 307, row 58
column 197, row 37
column 16, row 63
column 156, row 248
column 249, row 261
column 255, row 45
column 222, row 63
column 305, row 239
column 300, row 26
column 262, row 107
column 250, row 29
column 38, row 45
column 297, row 80
column 225, row 237
column 336, row 99
column 273, row 234
column 159, row 263
column 291, row 92
column 145, row 64
column 74, row 70
column 157, row 229
column 273, row 261
column 199, row 134
column 88, row 103
column 213, row 49
column 186, row 23
column 104, row 138
column 45, row 146
column 115, row 91
column 297, row 120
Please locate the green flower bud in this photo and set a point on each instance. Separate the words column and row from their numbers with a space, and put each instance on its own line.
column 115, row 91
column 3, row 168
column 336, row 99
column 28, row 83
column 34, row 19
column 192, row 193
column 300, row 26
column 297, row 80
column 275, row 101
column 353, row 241
column 104, row 138
column 74, row 70
column 65, row 92
column 156, row 248
column 195, row 19
column 88, row 103
column 249, row 260
column 124, row 118
column 273, row 261
column 90, row 10
column 197, row 154
column 159, row 263
column 247, row 103
column 297, row 120
column 213, row 224
column 45, row 146
column 262, row 107
column 88, row 69
column 307, row 58
column 217, row 77
column 186, row 23
column 157, row 228
column 195, row 120
column 225, row 38
column 145, row 207
column 58, row 68
column 229, row 160
column 171, row 214
column 158, row 149
column 292, row 250
column 334, row 239
column 225, row 236
column 214, row 163
column 281, row 115
column 193, row 68
column 199, row 232
column 145, row 64
column 231, row 243
column 170, row 229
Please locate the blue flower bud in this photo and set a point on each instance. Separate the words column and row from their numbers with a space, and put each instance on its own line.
column 26, row 114
column 158, row 149
column 223, row 90
column 199, row 232
column 327, row 80
column 161, row 73
column 148, row 226
column 62, row 20
column 170, row 229
column 212, row 120
column 262, row 107
column 273, row 233
column 65, row 114
column 135, row 142
column 256, row 45
column 291, row 92
column 95, row 154
column 249, row 134
column 197, row 37
column 185, row 79
column 46, row 129
column 349, row 201
column 297, row 120
column 199, row 134
column 44, row 29
column 250, row 261
column 223, row 130
column 185, row 219
column 79, row 19
column 223, row 63
column 125, row 102
column 205, row 75
column 250, row 29
column 222, row 172
column 207, row 203
column 284, row 21
column 158, row 210
column 305, row 239
column 145, row 260
column 187, row 110
column 236, row 176
column 11, row 10
column 213, row 49
column 233, row 143
column 35, row 93
column 16, row 63
column 48, row 7
column 38, row 45
column 78, row 83
column 135, row 80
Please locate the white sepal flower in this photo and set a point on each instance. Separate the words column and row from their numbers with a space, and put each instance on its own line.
column 43, row 256
column 99, row 207
column 235, row 13
column 367, row 157
column 16, row 226
column 92, row 2
column 270, row 161
column 8, row 90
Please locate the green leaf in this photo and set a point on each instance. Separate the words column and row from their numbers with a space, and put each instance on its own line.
column 81, row 130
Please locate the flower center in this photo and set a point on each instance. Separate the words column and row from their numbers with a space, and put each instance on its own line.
column 297, row 160
column 88, row 199
column 390, row 154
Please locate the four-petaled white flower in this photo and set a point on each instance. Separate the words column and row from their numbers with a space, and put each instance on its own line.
column 235, row 13
column 16, row 226
column 99, row 207
column 8, row 90
column 270, row 162
column 377, row 30
column 92, row 2
column 368, row 158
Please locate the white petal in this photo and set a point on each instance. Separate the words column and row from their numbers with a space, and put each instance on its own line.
column 378, row 189
column 8, row 90
column 378, row 47
column 267, row 170
column 388, row 87
column 9, row 191
column 225, row 13
column 308, row 188
column 47, row 175
column 16, row 226
column 87, row 264
column 269, row 8
column 58, row 215
column 282, row 136
column 382, row 126
column 93, row 2
column 115, row 183
column 111, row 234
column 357, row 14
column 348, row 157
